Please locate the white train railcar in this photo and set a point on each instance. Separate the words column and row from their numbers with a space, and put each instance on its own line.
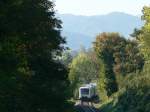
column 88, row 91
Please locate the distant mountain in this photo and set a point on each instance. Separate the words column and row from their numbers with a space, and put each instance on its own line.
column 82, row 30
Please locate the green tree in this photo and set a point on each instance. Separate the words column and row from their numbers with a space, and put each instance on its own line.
column 66, row 58
column 30, row 79
column 135, row 97
column 143, row 35
column 120, row 57
column 83, row 69
column 104, row 48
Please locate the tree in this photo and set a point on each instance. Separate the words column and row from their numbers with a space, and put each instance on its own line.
column 103, row 47
column 135, row 97
column 142, row 35
column 66, row 58
column 30, row 79
column 119, row 56
column 83, row 69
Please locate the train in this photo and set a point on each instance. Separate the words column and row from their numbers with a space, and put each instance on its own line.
column 87, row 92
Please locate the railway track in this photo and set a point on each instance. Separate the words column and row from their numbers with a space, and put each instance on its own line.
column 85, row 108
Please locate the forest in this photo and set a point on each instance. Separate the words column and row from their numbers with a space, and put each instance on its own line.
column 39, row 74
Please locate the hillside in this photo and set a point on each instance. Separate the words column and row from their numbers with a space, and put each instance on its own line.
column 85, row 28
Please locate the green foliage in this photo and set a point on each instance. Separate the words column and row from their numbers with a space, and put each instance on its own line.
column 107, row 106
column 103, row 47
column 120, row 57
column 135, row 95
column 134, row 98
column 102, row 84
column 143, row 35
column 30, row 79
column 83, row 69
column 66, row 58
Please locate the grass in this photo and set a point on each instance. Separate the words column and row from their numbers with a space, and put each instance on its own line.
column 109, row 104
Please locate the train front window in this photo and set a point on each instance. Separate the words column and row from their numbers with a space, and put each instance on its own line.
column 84, row 91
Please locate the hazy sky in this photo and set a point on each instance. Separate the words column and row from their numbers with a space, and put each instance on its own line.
column 94, row 7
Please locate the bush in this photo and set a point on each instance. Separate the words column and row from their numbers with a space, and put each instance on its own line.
column 136, row 97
